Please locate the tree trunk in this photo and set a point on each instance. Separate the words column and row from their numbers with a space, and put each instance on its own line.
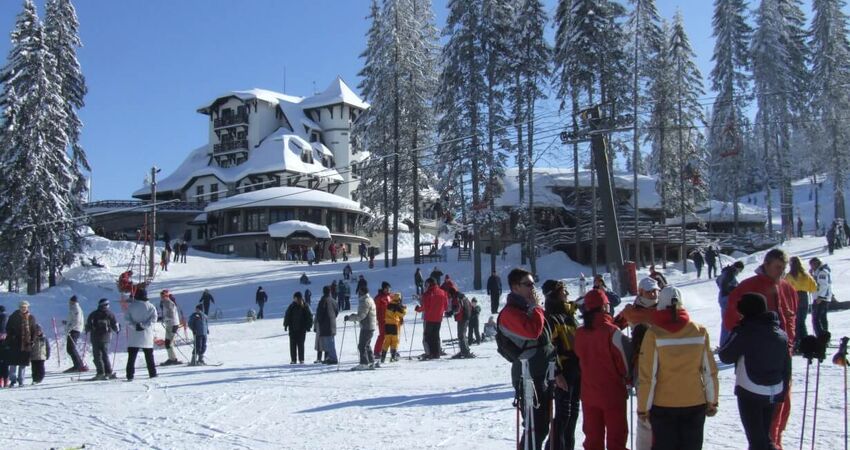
column 532, row 228
column 386, row 215
column 416, row 211
column 577, row 193
column 526, row 240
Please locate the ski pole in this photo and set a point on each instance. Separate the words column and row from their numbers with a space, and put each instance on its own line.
column 805, row 403
column 815, row 405
column 58, row 350
column 341, row 344
column 517, row 426
column 412, row 335
column 840, row 359
column 85, row 346
column 631, row 418
column 552, row 421
column 115, row 349
column 451, row 338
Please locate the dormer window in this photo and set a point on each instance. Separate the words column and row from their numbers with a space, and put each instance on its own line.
column 307, row 156
column 314, row 136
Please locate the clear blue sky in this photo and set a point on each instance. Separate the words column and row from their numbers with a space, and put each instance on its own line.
column 150, row 64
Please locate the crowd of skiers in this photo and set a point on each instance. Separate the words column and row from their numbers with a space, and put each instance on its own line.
column 653, row 350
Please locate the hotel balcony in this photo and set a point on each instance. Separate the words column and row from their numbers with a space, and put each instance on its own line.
column 227, row 121
column 239, row 144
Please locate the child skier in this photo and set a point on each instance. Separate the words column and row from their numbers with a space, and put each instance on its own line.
column 40, row 353
column 200, row 329
column 393, row 320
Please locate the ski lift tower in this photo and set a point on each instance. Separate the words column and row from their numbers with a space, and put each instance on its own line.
column 595, row 131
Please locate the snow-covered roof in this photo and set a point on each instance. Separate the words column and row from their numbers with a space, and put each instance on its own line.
column 285, row 229
column 718, row 211
column 280, row 151
column 546, row 178
column 337, row 92
column 285, row 196
column 261, row 94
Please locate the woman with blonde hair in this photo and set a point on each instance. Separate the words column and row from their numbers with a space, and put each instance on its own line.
column 804, row 284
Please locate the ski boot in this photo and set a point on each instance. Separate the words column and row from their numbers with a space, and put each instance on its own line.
column 383, row 356
column 394, row 357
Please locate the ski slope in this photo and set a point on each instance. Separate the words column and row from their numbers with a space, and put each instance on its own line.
column 257, row 400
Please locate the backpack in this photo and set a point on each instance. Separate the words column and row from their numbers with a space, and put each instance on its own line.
column 507, row 347
column 463, row 307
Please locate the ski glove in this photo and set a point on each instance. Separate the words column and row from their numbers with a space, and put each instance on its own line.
column 139, row 327
column 174, row 328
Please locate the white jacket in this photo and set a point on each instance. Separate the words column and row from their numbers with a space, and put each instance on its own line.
column 366, row 314
column 170, row 317
column 75, row 320
column 824, row 278
column 140, row 312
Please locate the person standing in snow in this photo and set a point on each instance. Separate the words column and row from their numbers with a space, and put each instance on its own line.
column 560, row 319
column 823, row 276
column 260, row 299
column 759, row 349
column 163, row 259
column 804, row 284
column 74, row 326
column 368, row 322
column 298, row 320
column 474, row 329
column 393, row 321
column 697, row 257
column 711, row 261
column 100, row 324
column 678, row 384
column 603, row 355
column 326, row 312
column 523, row 322
column 727, row 282
column 433, row 304
column 436, row 274
column 141, row 318
column 657, row 276
column 382, row 300
column 494, row 290
column 419, row 281
column 184, row 249
column 361, row 283
column 40, row 353
column 200, row 329
column 346, row 271
column 781, row 299
column 340, row 300
column 830, row 238
column 206, row 299
column 311, row 256
column 171, row 322
column 361, row 250
column 461, row 309
column 20, row 335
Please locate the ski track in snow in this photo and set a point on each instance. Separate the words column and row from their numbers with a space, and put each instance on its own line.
column 257, row 400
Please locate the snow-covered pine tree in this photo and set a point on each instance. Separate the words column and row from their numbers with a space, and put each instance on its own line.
column 61, row 29
column 531, row 69
column 730, row 79
column 662, row 94
column 646, row 40
column 684, row 177
column 460, row 103
column 830, row 80
column 38, row 179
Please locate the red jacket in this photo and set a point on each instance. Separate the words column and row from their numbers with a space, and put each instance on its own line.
column 601, row 353
column 449, row 286
column 435, row 302
column 781, row 299
column 381, row 302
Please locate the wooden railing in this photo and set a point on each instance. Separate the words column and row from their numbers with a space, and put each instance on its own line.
column 232, row 145
column 226, row 121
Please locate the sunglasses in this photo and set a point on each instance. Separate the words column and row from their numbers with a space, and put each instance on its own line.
column 527, row 284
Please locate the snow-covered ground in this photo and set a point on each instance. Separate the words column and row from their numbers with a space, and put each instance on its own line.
column 256, row 399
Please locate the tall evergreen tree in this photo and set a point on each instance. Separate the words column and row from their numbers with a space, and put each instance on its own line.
column 730, row 79
column 61, row 29
column 38, row 181
column 663, row 94
column 830, row 78
column 461, row 101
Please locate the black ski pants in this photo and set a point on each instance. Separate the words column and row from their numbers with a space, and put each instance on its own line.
column 541, row 415
column 802, row 313
column 37, row 371
column 566, row 416
column 71, row 348
column 431, row 339
column 756, row 415
column 296, row 345
column 100, row 354
column 677, row 428
column 131, row 361
column 494, row 303
column 364, row 346
column 473, row 335
column 819, row 322
column 260, row 313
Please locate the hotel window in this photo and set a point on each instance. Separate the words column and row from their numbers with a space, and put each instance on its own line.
column 199, row 193
column 307, row 156
column 257, row 221
column 214, row 192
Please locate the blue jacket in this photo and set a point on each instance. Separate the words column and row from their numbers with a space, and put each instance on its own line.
column 759, row 349
column 198, row 324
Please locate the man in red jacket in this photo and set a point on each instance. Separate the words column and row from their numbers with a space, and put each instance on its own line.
column 382, row 300
column 781, row 299
column 434, row 304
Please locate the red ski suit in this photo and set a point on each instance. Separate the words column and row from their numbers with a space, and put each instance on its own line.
column 435, row 302
column 602, row 358
column 781, row 299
